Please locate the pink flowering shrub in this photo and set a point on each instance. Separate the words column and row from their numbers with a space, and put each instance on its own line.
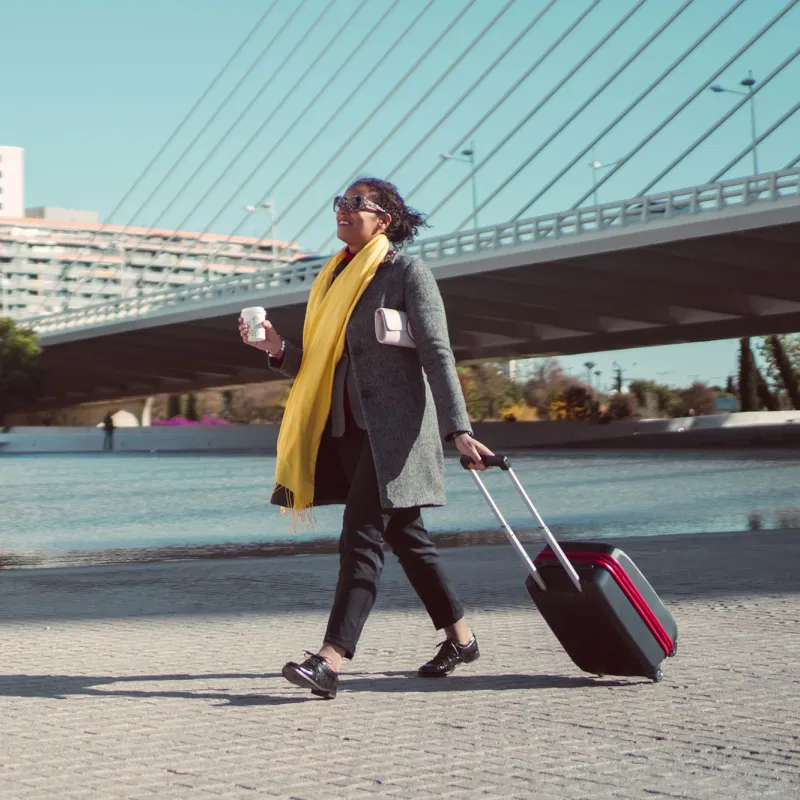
column 206, row 420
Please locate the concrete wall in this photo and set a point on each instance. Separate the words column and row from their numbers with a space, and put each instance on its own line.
column 781, row 428
column 164, row 439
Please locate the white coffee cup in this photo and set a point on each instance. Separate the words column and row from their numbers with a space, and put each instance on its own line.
column 254, row 317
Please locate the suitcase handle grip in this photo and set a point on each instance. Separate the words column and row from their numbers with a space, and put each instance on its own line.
column 490, row 461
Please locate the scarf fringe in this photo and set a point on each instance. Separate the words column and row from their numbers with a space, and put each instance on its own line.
column 305, row 518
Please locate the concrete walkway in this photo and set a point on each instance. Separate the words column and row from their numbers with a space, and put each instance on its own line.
column 163, row 681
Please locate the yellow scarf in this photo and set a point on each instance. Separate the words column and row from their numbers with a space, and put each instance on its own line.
column 309, row 402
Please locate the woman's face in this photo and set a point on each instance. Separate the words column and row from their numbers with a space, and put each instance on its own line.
column 356, row 228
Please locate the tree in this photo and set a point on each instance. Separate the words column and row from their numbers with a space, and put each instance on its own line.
column 547, row 386
column 20, row 369
column 173, row 406
column 227, row 399
column 767, row 399
column 748, row 381
column 192, row 412
column 697, row 398
column 579, row 402
column 667, row 401
column 783, row 356
column 622, row 406
column 487, row 391
column 730, row 386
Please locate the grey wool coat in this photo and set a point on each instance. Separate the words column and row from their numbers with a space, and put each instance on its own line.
column 410, row 398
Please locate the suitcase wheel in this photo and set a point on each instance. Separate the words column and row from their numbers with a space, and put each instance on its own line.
column 657, row 677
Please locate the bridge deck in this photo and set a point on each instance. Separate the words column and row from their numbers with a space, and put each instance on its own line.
column 710, row 262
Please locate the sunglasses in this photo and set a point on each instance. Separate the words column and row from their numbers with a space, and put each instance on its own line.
column 356, row 203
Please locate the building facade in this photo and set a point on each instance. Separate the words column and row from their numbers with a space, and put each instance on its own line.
column 55, row 259
column 48, row 265
column 12, row 200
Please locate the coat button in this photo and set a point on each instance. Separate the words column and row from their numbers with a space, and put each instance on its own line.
column 366, row 394
column 357, row 350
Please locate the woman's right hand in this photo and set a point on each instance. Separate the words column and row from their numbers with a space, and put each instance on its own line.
column 271, row 345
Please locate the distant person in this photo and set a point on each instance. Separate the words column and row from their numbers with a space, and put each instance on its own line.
column 364, row 423
column 108, row 426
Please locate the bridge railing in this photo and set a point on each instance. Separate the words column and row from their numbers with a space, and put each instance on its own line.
column 166, row 302
column 620, row 214
column 543, row 229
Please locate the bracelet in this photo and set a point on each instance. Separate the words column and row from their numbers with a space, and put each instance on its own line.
column 279, row 355
column 451, row 437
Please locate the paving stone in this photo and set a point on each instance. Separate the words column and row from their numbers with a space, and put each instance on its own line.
column 163, row 680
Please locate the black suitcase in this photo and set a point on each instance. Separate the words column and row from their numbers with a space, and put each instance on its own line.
column 601, row 608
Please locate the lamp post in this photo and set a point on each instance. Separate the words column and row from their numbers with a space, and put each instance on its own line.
column 590, row 365
column 596, row 165
column 468, row 157
column 268, row 206
column 125, row 278
column 749, row 82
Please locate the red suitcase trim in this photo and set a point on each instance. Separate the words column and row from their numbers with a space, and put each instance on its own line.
column 628, row 587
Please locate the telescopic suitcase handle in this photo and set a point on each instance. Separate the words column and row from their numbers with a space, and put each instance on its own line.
column 504, row 464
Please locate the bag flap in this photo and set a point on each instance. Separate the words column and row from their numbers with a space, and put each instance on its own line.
column 392, row 319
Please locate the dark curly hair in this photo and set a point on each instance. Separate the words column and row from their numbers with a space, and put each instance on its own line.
column 406, row 221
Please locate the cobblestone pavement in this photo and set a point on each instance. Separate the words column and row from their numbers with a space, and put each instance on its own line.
column 163, row 680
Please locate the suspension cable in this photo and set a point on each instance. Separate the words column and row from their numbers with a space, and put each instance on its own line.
column 506, row 95
column 167, row 273
column 668, row 71
column 538, row 107
column 431, row 89
column 160, row 152
column 386, row 99
column 482, row 77
column 766, row 134
column 236, row 122
column 683, row 105
column 581, row 108
column 306, row 109
column 697, row 142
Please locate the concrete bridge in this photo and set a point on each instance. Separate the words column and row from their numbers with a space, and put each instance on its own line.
column 707, row 262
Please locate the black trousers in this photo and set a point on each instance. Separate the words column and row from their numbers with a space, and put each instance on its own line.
column 364, row 529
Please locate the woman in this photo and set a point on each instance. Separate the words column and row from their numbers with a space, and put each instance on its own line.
column 360, row 426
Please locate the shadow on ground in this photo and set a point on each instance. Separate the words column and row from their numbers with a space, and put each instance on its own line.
column 60, row 687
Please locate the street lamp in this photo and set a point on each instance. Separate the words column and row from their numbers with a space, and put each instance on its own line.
column 468, row 158
column 125, row 277
column 749, row 82
column 268, row 206
column 590, row 365
column 596, row 165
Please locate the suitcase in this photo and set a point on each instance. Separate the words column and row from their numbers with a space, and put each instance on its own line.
column 598, row 604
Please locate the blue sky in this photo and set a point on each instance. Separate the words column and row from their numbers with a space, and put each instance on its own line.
column 94, row 89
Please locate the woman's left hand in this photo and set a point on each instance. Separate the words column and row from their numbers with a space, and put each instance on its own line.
column 473, row 449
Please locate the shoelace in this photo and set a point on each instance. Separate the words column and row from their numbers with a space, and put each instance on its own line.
column 317, row 657
column 457, row 644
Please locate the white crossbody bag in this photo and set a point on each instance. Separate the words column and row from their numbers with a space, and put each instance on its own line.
column 392, row 327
